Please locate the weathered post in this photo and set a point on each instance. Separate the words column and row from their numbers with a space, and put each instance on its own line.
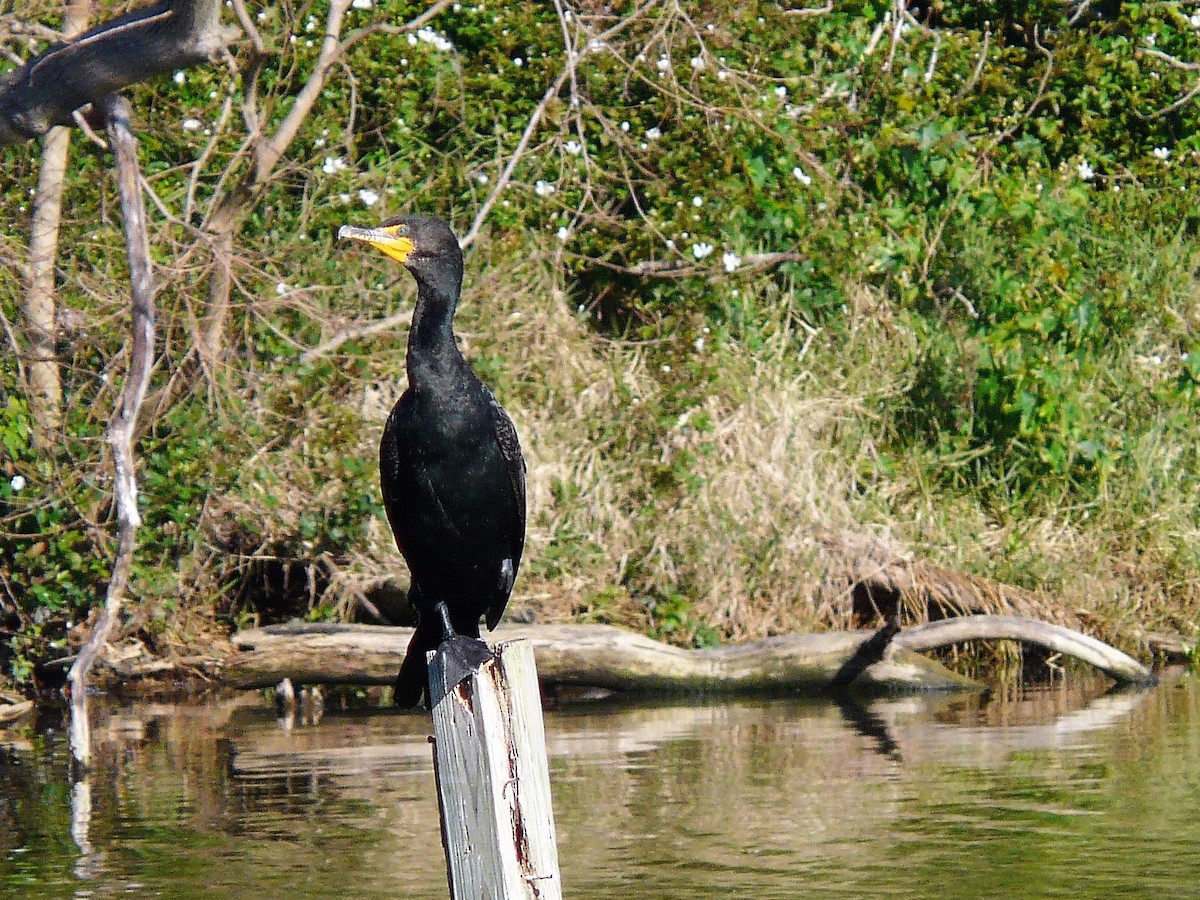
column 493, row 780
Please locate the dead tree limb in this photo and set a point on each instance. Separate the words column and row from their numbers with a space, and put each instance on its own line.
column 587, row 656
column 120, row 431
column 138, row 46
column 1109, row 660
column 618, row 660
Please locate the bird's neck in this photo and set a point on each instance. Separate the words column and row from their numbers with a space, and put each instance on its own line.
column 432, row 350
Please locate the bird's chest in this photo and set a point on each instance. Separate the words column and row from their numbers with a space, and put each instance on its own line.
column 445, row 439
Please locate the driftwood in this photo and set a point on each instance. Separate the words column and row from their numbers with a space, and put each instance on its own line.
column 606, row 657
column 585, row 656
column 1109, row 660
column 140, row 45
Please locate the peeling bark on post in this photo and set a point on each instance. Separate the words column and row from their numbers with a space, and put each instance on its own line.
column 120, row 431
column 493, row 780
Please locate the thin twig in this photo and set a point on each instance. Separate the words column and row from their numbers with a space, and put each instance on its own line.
column 506, row 176
column 353, row 332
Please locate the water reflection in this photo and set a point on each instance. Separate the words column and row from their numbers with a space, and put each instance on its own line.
column 1073, row 789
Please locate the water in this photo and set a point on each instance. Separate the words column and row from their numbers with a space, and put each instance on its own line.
column 1065, row 791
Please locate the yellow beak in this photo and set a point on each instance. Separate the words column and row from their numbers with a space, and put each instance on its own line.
column 384, row 239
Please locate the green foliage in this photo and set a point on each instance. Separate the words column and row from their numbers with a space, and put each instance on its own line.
column 1014, row 191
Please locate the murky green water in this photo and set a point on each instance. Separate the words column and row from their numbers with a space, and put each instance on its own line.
column 1058, row 792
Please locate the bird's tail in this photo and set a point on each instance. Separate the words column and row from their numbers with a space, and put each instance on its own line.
column 413, row 681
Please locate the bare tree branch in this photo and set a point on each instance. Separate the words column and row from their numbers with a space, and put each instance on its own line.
column 353, row 332
column 154, row 40
column 120, row 431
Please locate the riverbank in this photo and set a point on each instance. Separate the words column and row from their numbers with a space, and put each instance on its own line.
column 804, row 321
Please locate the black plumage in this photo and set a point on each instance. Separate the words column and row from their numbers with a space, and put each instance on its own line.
column 450, row 464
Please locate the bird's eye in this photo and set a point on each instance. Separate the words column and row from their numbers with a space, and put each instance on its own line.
column 401, row 230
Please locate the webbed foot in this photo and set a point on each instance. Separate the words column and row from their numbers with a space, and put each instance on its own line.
column 460, row 657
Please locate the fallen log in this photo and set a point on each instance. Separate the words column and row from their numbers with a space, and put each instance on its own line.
column 1109, row 660
column 606, row 657
column 600, row 656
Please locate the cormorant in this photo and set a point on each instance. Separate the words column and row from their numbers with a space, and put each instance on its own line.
column 450, row 466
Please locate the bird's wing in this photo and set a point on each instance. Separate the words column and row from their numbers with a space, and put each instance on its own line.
column 510, row 449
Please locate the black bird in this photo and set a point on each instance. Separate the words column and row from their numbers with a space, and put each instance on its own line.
column 450, row 466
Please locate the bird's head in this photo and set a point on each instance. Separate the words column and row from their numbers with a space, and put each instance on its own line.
column 419, row 243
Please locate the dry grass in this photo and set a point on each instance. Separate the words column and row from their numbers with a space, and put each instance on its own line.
column 759, row 505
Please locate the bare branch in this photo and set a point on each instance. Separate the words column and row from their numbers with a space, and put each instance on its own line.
column 506, row 176
column 808, row 11
column 353, row 332
column 120, row 431
column 154, row 40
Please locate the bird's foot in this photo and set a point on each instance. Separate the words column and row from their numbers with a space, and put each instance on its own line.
column 461, row 657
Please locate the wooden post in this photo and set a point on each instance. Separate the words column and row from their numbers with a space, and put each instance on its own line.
column 493, row 780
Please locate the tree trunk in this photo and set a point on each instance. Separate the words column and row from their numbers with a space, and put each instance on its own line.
column 41, row 304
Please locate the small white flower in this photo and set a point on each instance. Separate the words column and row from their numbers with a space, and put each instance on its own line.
column 308, row 43
column 311, row 24
column 429, row 36
column 697, row 201
column 781, row 92
column 544, row 188
column 1162, row 153
column 362, row 4
column 191, row 124
column 624, row 126
column 698, row 63
column 666, row 368
column 698, row 344
column 653, row 134
column 722, row 75
column 663, row 64
column 481, row 177
column 319, row 143
column 344, row 198
column 563, row 233
column 368, row 197
column 333, row 165
column 180, row 77
column 670, row 244
column 18, row 483
column 1086, row 172
column 518, row 62
column 803, row 177
column 701, row 250
column 262, row 16
column 1193, row 20
column 281, row 288
column 573, row 147
column 412, row 40
column 731, row 261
